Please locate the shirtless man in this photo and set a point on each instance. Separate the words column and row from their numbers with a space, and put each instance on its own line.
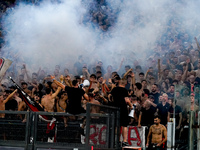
column 94, row 109
column 3, row 102
column 61, row 103
column 48, row 100
column 156, row 132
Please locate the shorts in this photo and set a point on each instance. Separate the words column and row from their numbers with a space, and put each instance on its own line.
column 124, row 119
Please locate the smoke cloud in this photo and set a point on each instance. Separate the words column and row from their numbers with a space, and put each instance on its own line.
column 54, row 33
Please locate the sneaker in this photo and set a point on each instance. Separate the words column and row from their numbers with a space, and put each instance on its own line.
column 125, row 144
column 118, row 144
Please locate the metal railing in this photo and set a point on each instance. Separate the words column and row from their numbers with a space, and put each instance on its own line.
column 100, row 129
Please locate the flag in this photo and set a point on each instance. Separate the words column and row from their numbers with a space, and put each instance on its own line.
column 4, row 65
column 33, row 105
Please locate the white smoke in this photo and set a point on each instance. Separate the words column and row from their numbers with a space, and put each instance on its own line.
column 52, row 33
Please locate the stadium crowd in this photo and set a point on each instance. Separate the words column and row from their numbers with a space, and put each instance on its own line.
column 168, row 80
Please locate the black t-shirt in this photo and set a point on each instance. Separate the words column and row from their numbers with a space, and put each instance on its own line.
column 170, row 95
column 177, row 111
column 119, row 93
column 156, row 97
column 75, row 97
column 163, row 112
column 147, row 116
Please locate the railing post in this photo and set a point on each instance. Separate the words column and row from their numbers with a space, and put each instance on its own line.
column 118, row 129
column 112, row 141
column 30, row 130
column 87, row 135
column 191, row 131
column 170, row 135
column 27, row 133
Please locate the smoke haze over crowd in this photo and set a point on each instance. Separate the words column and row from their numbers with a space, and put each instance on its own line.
column 53, row 33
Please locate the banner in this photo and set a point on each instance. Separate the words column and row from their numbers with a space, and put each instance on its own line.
column 136, row 136
column 4, row 65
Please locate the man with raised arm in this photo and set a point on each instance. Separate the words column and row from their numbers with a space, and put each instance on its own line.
column 75, row 95
column 48, row 100
column 4, row 101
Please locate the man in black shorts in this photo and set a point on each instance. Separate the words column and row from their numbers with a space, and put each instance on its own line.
column 120, row 100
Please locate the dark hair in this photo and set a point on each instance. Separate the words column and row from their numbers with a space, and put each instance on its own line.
column 24, row 83
column 132, row 95
column 90, row 94
column 35, row 74
column 98, row 72
column 172, row 99
column 166, row 69
column 150, row 73
column 74, row 82
column 93, row 75
column 128, row 76
column 49, row 83
column 98, row 67
column 165, row 84
column 138, row 85
column 77, row 77
column 146, row 91
column 40, row 87
column 48, row 90
column 157, row 116
column 99, row 77
column 141, row 73
column 127, row 66
column 175, row 81
column 117, row 77
column 138, row 67
column 155, row 84
column 114, row 72
column 143, row 80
